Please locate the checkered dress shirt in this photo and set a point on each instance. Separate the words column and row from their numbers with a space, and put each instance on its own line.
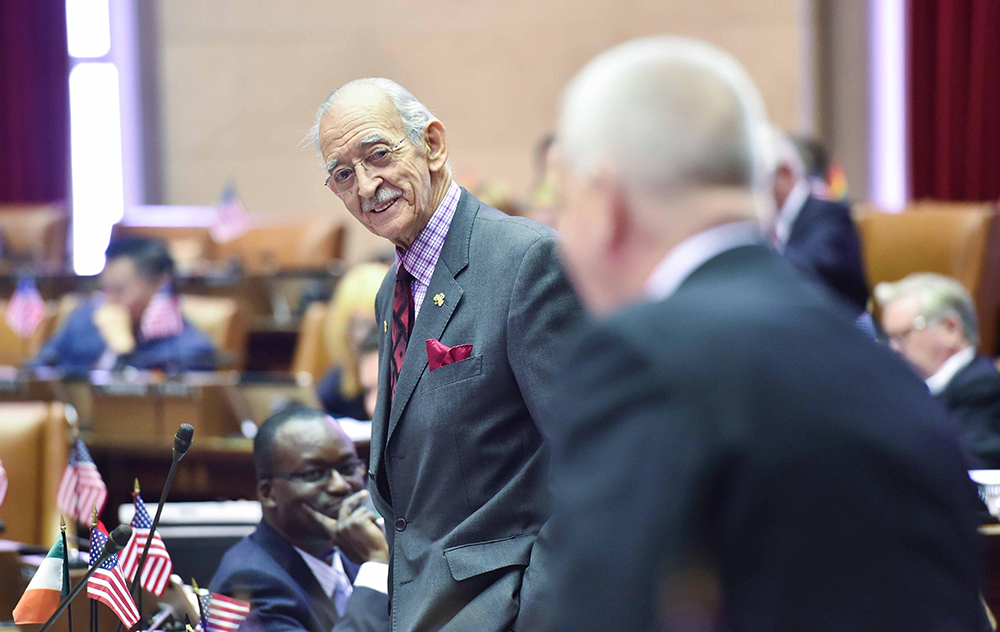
column 422, row 256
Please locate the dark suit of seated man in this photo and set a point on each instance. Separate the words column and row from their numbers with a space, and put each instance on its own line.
column 317, row 561
column 931, row 320
column 136, row 322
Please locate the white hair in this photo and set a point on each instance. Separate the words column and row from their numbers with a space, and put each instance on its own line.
column 666, row 111
column 786, row 153
column 413, row 114
column 938, row 297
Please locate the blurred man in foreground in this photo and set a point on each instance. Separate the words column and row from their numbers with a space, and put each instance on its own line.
column 317, row 560
column 135, row 322
column 931, row 320
column 736, row 455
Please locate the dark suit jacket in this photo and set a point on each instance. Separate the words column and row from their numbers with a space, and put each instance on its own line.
column 824, row 243
column 973, row 397
column 78, row 346
column 459, row 453
column 264, row 569
column 740, row 453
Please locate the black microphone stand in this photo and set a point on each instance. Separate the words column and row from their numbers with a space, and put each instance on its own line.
column 116, row 542
column 182, row 441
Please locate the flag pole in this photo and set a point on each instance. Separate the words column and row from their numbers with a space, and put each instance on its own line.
column 135, row 493
column 201, row 606
column 69, row 609
column 93, row 603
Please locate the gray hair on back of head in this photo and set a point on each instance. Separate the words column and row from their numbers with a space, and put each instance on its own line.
column 938, row 296
column 667, row 111
column 413, row 114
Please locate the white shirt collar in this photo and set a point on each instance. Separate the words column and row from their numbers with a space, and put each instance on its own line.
column 790, row 211
column 947, row 371
column 326, row 573
column 693, row 252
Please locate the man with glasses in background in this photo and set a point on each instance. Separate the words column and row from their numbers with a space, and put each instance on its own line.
column 470, row 317
column 318, row 560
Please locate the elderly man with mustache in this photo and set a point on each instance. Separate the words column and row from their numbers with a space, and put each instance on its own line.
column 469, row 316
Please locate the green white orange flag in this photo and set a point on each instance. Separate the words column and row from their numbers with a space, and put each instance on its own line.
column 48, row 585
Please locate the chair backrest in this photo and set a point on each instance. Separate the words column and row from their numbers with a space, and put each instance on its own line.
column 14, row 350
column 960, row 241
column 34, row 450
column 189, row 246
column 222, row 320
column 311, row 353
column 36, row 232
column 309, row 243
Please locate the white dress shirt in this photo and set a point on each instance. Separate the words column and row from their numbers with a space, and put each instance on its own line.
column 689, row 255
column 789, row 212
column 947, row 371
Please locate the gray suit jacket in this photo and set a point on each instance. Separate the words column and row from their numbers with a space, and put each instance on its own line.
column 458, row 461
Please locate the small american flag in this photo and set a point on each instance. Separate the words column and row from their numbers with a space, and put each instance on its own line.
column 3, row 483
column 225, row 614
column 162, row 317
column 26, row 309
column 158, row 567
column 81, row 487
column 231, row 220
column 107, row 584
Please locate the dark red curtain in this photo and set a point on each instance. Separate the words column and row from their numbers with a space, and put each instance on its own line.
column 34, row 101
column 954, row 99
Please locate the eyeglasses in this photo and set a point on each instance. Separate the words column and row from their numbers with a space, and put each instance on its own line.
column 320, row 475
column 898, row 337
column 343, row 180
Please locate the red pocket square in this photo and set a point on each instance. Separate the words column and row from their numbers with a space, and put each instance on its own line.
column 439, row 355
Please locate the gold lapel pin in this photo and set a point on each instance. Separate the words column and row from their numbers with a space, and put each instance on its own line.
column 385, row 326
column 439, row 299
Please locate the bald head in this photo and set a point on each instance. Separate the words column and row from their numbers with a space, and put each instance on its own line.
column 664, row 113
column 658, row 139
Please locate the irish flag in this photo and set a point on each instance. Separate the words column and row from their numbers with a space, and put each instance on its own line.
column 41, row 598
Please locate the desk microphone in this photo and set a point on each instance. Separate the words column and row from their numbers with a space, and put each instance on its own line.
column 116, row 542
column 182, row 441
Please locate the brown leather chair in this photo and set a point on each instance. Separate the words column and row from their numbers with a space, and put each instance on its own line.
column 957, row 240
column 310, row 243
column 222, row 320
column 311, row 352
column 14, row 350
column 34, row 449
column 35, row 232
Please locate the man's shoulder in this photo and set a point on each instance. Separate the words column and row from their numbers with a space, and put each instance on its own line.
column 819, row 211
column 507, row 230
column 247, row 561
column 980, row 379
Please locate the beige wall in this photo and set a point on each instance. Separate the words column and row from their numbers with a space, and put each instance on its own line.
column 240, row 80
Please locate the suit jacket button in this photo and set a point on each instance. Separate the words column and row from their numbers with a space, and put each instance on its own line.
column 400, row 524
column 371, row 475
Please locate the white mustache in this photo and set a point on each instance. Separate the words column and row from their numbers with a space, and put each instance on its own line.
column 384, row 194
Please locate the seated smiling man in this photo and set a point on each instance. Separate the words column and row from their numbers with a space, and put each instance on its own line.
column 318, row 560
column 134, row 322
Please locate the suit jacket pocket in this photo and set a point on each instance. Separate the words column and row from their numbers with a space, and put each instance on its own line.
column 454, row 372
column 469, row 560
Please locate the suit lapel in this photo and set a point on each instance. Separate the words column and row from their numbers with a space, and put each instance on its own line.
column 289, row 559
column 380, row 417
column 433, row 319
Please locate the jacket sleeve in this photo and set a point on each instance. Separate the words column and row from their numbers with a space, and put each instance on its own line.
column 544, row 308
column 367, row 611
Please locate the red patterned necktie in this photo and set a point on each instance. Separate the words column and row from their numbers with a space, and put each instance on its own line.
column 402, row 323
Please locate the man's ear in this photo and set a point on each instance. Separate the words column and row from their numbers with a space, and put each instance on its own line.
column 436, row 146
column 619, row 220
column 265, row 493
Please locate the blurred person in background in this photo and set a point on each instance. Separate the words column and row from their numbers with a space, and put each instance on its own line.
column 135, row 321
column 816, row 235
column 350, row 318
column 732, row 454
column 543, row 198
column 318, row 560
column 368, row 371
column 931, row 320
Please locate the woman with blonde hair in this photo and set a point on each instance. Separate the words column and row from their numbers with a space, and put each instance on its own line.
column 351, row 316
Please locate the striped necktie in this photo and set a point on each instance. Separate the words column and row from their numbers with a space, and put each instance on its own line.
column 402, row 323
